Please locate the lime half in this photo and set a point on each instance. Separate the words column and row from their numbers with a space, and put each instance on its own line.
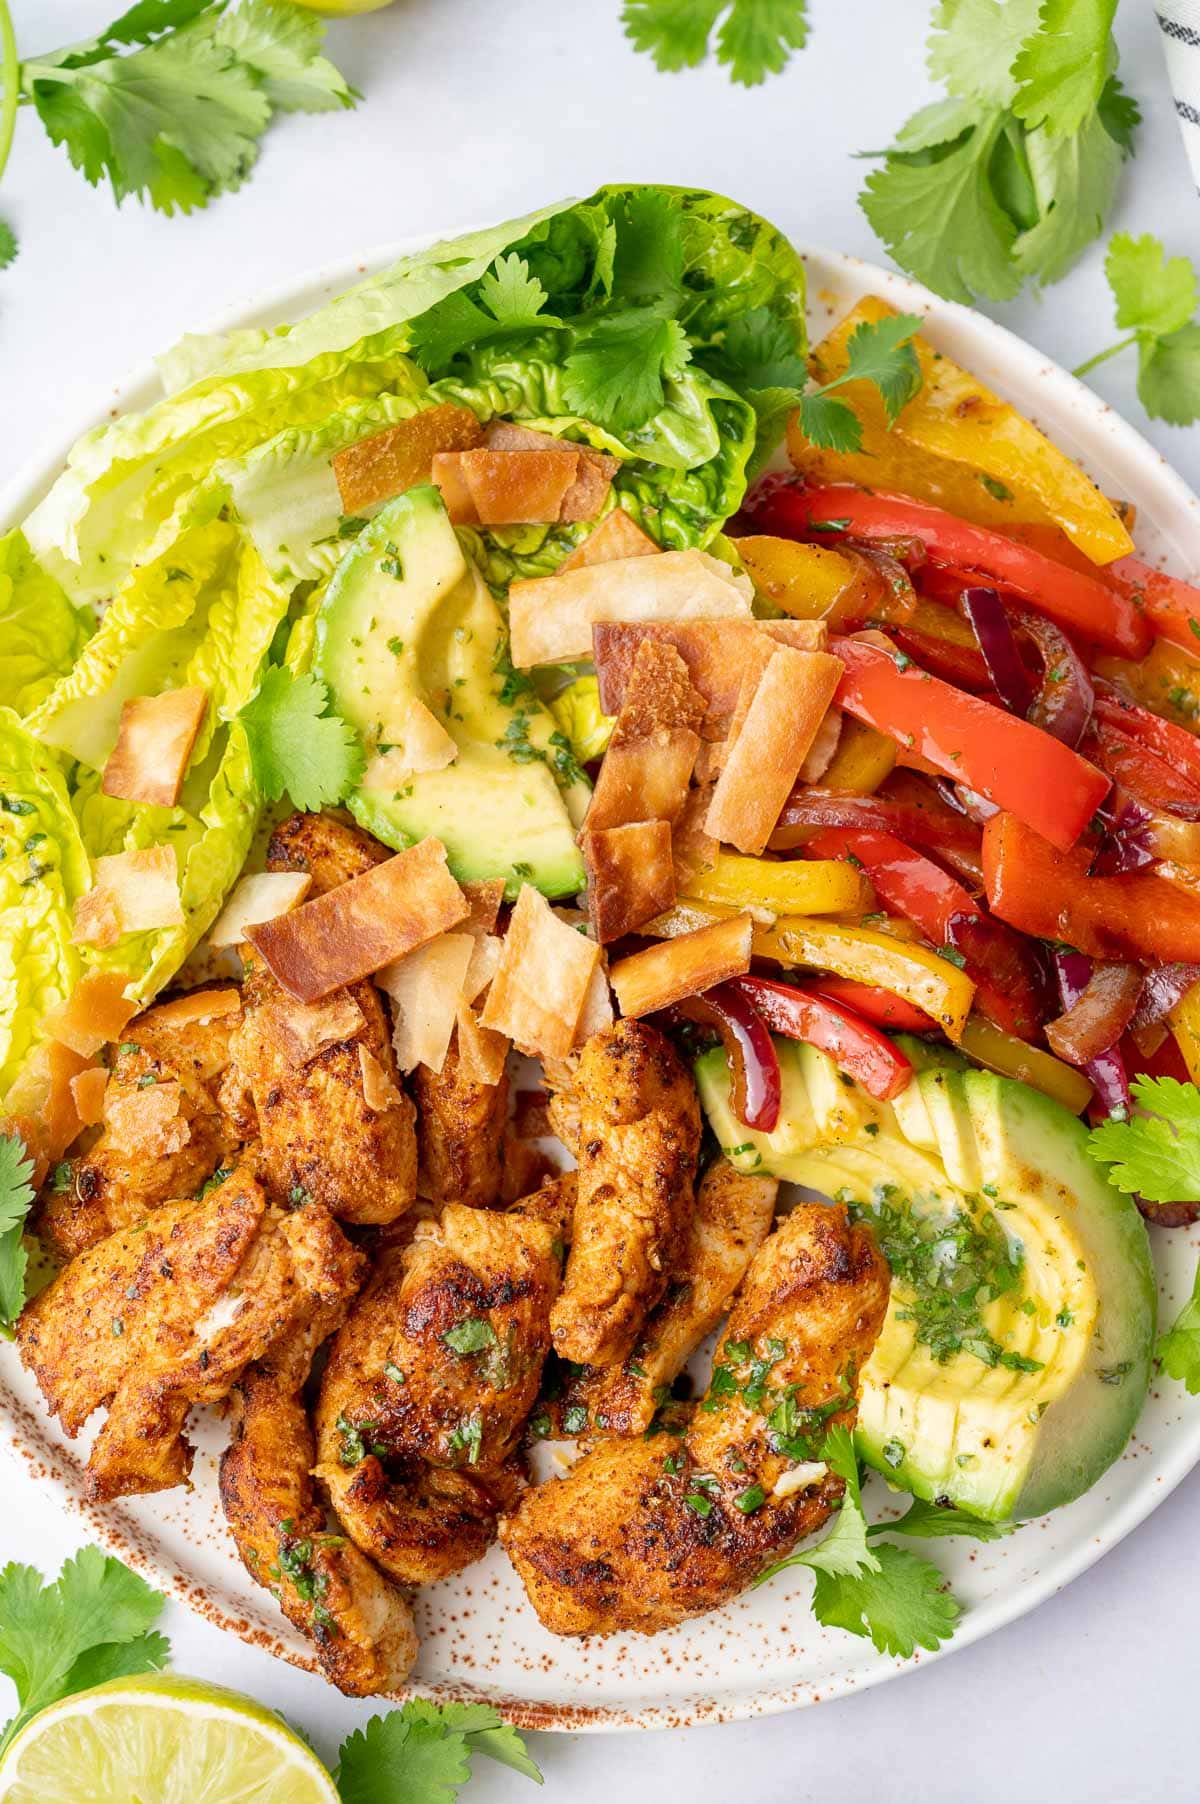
column 161, row 1739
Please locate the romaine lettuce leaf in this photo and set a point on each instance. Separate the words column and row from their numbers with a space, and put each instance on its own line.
column 43, row 871
column 578, row 712
column 41, row 634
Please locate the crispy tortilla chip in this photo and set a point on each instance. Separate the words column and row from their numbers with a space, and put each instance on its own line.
column 519, row 488
column 485, row 961
column 307, row 1028
column 451, row 479
column 551, row 617
column 694, row 847
column 631, row 876
column 823, row 750
column 379, row 1092
column 364, row 924
column 94, row 1013
column 87, row 1090
column 770, row 745
column 131, row 892
column 484, row 897
column 589, row 491
column 402, row 455
column 482, row 1053
column 419, row 743
column 617, row 536
column 255, row 899
column 154, row 743
column 539, row 990
column 718, row 656
column 649, row 761
column 147, row 1122
column 197, row 1005
column 682, row 967
column 425, row 988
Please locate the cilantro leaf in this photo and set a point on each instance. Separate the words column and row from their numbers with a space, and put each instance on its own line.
column 1074, row 181
column 615, row 373
column 1154, row 293
column 1063, row 65
column 880, row 352
column 8, row 244
column 92, row 1623
column 974, row 43
column 282, row 45
column 515, row 302
column 760, row 352
column 16, row 1200
column 1155, row 1155
column 756, row 38
column 147, row 19
column 901, row 1604
column 648, row 251
column 1178, row 1350
column 421, row 1753
column 295, row 746
column 930, row 1521
column 1169, row 377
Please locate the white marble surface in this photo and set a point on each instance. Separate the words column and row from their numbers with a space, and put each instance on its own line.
column 477, row 109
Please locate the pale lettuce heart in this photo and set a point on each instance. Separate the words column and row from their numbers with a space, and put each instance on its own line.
column 41, row 634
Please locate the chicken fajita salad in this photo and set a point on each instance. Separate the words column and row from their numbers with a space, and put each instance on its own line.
column 599, row 929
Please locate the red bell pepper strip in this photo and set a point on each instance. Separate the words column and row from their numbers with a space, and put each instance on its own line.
column 878, row 1006
column 1088, row 605
column 753, row 1064
column 855, row 1047
column 1013, row 764
column 1179, row 747
column 1171, row 606
column 1148, row 777
column 956, row 664
column 1047, row 892
column 1006, row 980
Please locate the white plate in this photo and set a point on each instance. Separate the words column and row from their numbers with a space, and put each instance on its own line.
column 764, row 1653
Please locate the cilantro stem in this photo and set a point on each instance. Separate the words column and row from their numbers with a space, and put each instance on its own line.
column 1103, row 356
column 10, row 83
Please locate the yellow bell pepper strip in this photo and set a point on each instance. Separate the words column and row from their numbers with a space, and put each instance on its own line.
column 913, row 972
column 960, row 446
column 1184, row 1022
column 991, row 1047
column 1166, row 681
column 818, row 886
column 864, row 759
column 806, row 581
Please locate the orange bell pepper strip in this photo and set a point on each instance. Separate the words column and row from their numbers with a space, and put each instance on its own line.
column 1092, row 607
column 1006, row 981
column 1044, row 891
column 1171, row 606
column 1015, row 765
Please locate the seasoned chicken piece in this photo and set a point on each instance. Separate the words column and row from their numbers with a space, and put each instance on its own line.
column 562, row 1103
column 329, row 850
column 165, row 1127
column 168, row 1313
column 428, row 1386
column 554, row 1203
column 460, row 1133
column 639, row 1134
column 731, row 1220
column 361, row 1625
column 616, row 1545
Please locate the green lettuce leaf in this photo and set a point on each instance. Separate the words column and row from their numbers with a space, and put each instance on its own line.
column 578, row 712
column 43, row 872
column 41, row 634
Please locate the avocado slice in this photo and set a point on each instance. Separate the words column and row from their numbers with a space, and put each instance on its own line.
column 1016, row 1352
column 408, row 617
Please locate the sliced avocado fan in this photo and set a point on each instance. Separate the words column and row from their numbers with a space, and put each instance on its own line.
column 408, row 618
column 1016, row 1352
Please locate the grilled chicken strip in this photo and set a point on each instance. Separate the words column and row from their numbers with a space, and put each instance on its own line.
column 639, row 1135
column 461, row 1134
column 303, row 1063
column 617, row 1546
column 731, row 1220
column 165, row 1128
column 168, row 1313
column 428, row 1386
column 361, row 1625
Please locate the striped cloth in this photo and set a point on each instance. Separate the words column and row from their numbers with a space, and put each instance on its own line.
column 1180, row 22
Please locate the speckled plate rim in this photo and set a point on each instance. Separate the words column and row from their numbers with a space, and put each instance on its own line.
column 1102, row 437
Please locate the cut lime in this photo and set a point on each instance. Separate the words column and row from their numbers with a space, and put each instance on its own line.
column 161, row 1739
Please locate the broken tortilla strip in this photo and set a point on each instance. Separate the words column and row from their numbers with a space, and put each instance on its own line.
column 823, row 750
column 387, row 463
column 694, row 848
column 87, row 1089
column 681, row 967
column 541, row 985
column 425, row 989
column 154, row 743
column 551, row 617
column 485, row 961
column 307, row 1028
column 147, row 1121
column 131, row 892
column 206, row 1004
column 617, row 536
column 484, row 896
column 379, row 1092
column 94, row 1013
column 364, row 924
column 649, row 761
column 774, row 739
column 419, row 742
column 264, row 896
column 631, row 876
column 482, row 1053
column 590, row 489
column 718, row 656
column 450, row 478
column 519, row 488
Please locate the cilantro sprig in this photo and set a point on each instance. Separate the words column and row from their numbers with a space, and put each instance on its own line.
column 296, row 746
column 1156, row 300
column 422, row 1753
column 892, row 1596
column 1012, row 175
column 170, row 101
column 756, row 37
column 16, row 1200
